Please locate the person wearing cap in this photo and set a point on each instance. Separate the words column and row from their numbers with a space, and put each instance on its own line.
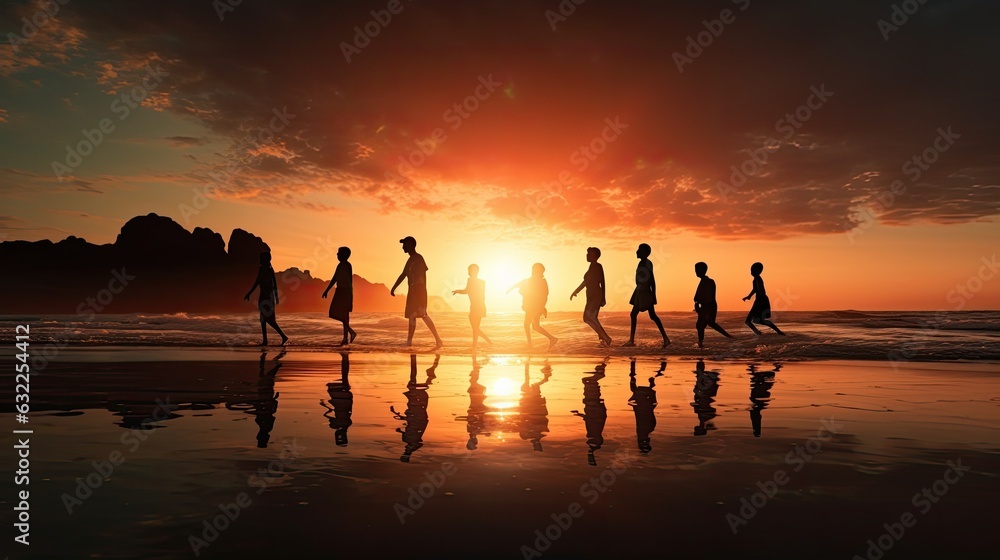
column 415, row 273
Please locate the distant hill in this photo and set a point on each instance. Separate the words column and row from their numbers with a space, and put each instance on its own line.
column 167, row 270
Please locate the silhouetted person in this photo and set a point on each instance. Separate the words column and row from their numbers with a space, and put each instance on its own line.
column 760, row 312
column 265, row 406
column 644, row 296
column 533, row 417
column 595, row 412
column 534, row 295
column 341, row 403
column 415, row 273
column 705, row 304
column 760, row 394
column 643, row 403
column 343, row 299
column 476, row 290
column 475, row 418
column 706, row 387
column 416, row 409
column 593, row 281
column 267, row 299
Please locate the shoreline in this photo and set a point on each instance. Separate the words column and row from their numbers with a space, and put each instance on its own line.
column 119, row 353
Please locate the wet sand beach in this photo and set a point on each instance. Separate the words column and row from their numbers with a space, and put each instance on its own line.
column 136, row 453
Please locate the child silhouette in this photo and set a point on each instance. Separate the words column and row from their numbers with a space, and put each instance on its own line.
column 644, row 296
column 267, row 299
column 594, row 282
column 475, row 288
column 343, row 299
column 535, row 294
column 705, row 304
column 760, row 312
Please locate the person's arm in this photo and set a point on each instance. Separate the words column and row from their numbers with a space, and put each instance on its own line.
column 578, row 289
column 333, row 281
column 402, row 276
column 652, row 282
column 518, row 285
column 604, row 287
column 463, row 291
column 753, row 290
column 256, row 283
column 274, row 288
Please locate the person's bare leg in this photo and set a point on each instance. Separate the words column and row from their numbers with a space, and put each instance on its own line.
column 749, row 323
column 720, row 330
column 274, row 323
column 430, row 325
column 527, row 329
column 343, row 342
column 659, row 325
column 477, row 329
column 347, row 326
column 633, row 318
column 412, row 326
column 537, row 325
column 263, row 331
column 768, row 323
column 601, row 332
column 701, row 334
column 475, row 332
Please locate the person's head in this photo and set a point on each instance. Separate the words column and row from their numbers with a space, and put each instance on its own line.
column 343, row 254
column 537, row 270
column 700, row 269
column 643, row 251
column 473, row 270
column 756, row 268
column 409, row 244
column 593, row 254
column 265, row 258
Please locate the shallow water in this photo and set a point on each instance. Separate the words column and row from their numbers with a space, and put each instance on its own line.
column 851, row 335
column 196, row 430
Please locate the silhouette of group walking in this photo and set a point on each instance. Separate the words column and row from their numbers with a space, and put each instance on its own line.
column 534, row 292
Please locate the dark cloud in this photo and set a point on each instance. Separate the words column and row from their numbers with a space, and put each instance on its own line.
column 186, row 141
column 354, row 122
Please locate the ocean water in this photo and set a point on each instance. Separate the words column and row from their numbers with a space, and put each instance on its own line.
column 892, row 336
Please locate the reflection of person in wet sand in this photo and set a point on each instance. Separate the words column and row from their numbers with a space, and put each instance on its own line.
column 265, row 406
column 534, row 295
column 343, row 299
column 593, row 281
column 475, row 418
column 341, row 403
column 705, row 304
column 533, row 415
column 415, row 274
column 416, row 409
column 644, row 296
column 760, row 311
column 760, row 393
column 267, row 299
column 643, row 403
column 706, row 387
column 476, row 290
column 595, row 412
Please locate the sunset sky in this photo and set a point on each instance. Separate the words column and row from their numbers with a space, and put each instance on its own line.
column 577, row 130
